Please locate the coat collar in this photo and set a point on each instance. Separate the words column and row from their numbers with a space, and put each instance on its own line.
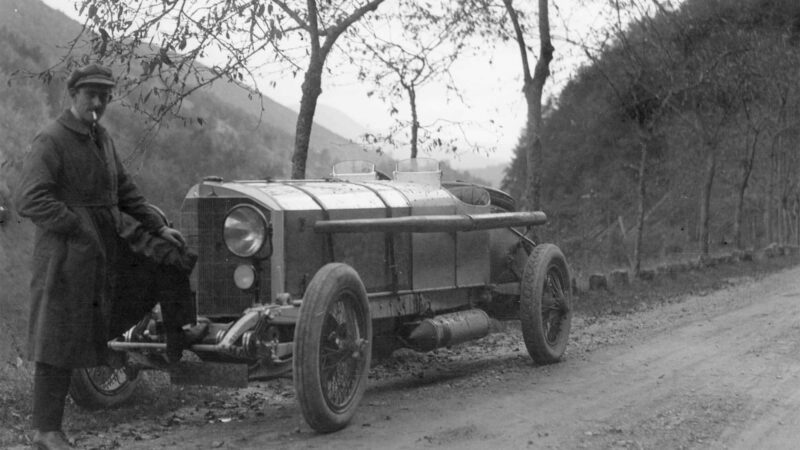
column 68, row 120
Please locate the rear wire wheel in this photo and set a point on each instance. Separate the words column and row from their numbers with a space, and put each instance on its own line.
column 103, row 387
column 546, row 304
column 332, row 348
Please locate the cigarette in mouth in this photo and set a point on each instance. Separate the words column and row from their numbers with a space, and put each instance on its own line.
column 94, row 116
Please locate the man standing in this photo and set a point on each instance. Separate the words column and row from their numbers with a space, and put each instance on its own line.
column 74, row 188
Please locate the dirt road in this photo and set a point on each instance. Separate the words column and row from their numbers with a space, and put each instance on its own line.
column 714, row 371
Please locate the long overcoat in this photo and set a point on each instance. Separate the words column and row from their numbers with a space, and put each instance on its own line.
column 73, row 187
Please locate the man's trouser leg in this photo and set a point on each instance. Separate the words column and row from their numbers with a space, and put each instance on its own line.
column 50, row 388
column 177, row 308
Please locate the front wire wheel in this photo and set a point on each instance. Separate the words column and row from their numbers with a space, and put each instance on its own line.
column 332, row 348
column 546, row 304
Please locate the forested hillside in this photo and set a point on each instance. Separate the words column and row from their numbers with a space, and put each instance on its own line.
column 684, row 118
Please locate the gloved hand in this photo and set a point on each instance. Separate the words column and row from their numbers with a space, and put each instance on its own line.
column 165, row 246
column 173, row 236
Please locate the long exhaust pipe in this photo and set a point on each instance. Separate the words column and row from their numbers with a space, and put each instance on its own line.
column 433, row 224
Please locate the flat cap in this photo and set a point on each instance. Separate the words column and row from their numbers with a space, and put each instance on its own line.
column 91, row 74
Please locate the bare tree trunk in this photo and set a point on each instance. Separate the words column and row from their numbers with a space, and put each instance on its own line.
column 737, row 219
column 637, row 246
column 797, row 221
column 533, row 88
column 747, row 170
column 768, row 220
column 705, row 201
column 781, row 225
column 312, row 88
column 312, row 83
column 787, row 226
column 412, row 100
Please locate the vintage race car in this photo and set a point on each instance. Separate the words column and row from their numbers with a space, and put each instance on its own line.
column 317, row 276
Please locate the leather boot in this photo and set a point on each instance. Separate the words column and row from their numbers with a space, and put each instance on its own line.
column 50, row 440
column 116, row 360
column 195, row 333
column 183, row 339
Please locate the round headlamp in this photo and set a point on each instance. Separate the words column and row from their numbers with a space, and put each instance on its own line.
column 245, row 230
column 244, row 276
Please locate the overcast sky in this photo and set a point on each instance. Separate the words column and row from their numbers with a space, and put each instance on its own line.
column 493, row 112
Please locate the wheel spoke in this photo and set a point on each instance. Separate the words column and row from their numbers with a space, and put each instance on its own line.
column 553, row 327
column 333, row 358
column 555, row 285
column 108, row 380
column 554, row 306
column 545, row 304
column 338, row 380
column 340, row 352
column 350, row 350
column 557, row 296
column 331, row 355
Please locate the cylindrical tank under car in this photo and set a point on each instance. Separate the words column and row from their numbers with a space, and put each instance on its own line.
column 450, row 329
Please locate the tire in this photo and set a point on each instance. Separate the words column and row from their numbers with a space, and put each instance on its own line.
column 546, row 304
column 332, row 348
column 103, row 387
column 502, row 201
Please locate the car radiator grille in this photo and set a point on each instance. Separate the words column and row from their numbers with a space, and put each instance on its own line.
column 201, row 222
